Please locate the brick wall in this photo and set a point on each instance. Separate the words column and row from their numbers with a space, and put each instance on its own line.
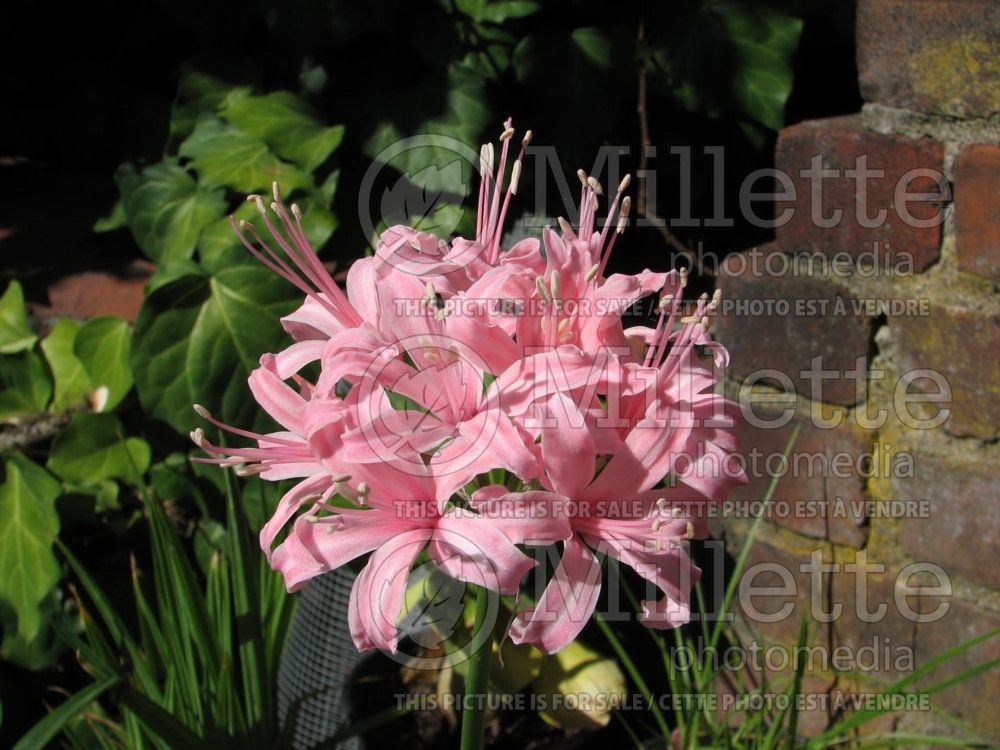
column 889, row 274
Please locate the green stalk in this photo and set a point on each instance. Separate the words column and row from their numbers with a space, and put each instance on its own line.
column 636, row 675
column 476, row 683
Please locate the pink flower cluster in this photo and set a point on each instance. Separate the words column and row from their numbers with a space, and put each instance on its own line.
column 472, row 436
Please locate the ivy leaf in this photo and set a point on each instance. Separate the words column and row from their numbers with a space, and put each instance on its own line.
column 287, row 124
column 198, row 93
column 230, row 320
column 444, row 137
column 764, row 41
column 15, row 333
column 28, row 527
column 224, row 155
column 72, row 386
column 25, row 386
column 167, row 209
column 103, row 346
column 114, row 220
column 93, row 448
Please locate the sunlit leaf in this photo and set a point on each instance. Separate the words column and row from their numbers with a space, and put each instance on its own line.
column 94, row 448
column 167, row 209
column 287, row 124
column 28, row 526
column 72, row 386
column 224, row 155
column 15, row 333
column 25, row 385
column 103, row 346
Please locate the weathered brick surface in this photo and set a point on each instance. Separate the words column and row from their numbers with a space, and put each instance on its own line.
column 973, row 700
column 963, row 346
column 822, row 493
column 977, row 218
column 850, row 630
column 92, row 294
column 962, row 529
column 938, row 56
column 840, row 142
column 783, row 322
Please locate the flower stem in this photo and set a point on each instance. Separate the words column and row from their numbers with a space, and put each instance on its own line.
column 474, row 710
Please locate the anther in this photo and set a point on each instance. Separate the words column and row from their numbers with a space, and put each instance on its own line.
column 583, row 177
column 595, row 185
column 201, row 411
column 506, row 135
column 623, row 185
column 565, row 226
column 527, row 138
column 515, row 177
column 592, row 273
column 543, row 290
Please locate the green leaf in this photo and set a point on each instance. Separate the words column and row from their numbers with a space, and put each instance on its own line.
column 224, row 155
column 114, row 220
column 28, row 527
column 48, row 728
column 25, row 386
column 287, row 124
column 764, row 41
column 443, row 135
column 93, row 448
column 167, row 209
column 197, row 338
column 15, row 333
column 198, row 93
column 103, row 346
column 72, row 386
column 498, row 12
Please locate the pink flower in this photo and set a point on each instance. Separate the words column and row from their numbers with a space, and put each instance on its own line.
column 476, row 547
column 445, row 361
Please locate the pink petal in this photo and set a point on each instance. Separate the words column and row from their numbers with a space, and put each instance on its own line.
column 290, row 502
column 569, row 454
column 567, row 603
column 279, row 400
column 379, row 592
column 471, row 548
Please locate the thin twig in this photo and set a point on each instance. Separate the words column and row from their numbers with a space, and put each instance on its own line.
column 641, row 209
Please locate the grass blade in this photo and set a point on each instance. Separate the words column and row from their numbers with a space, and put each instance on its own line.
column 46, row 730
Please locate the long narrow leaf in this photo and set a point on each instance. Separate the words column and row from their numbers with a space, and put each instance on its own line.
column 40, row 735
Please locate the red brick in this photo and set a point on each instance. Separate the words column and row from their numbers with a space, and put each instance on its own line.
column 92, row 294
column 974, row 700
column 796, row 322
column 882, row 649
column 819, row 495
column 938, row 56
column 840, row 142
column 963, row 346
column 977, row 220
column 961, row 532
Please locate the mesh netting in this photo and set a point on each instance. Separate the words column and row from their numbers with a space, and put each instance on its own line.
column 317, row 663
